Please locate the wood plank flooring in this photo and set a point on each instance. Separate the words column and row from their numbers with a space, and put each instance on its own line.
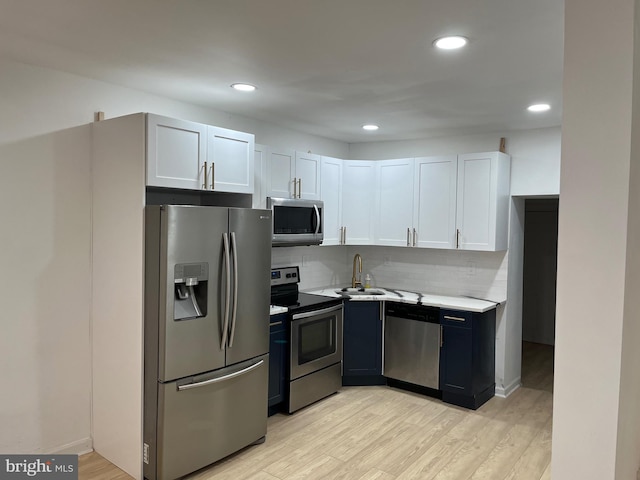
column 384, row 433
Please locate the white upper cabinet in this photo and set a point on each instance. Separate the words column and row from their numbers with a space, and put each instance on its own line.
column 259, row 199
column 394, row 203
column 358, row 201
column 483, row 201
column 194, row 156
column 434, row 201
column 331, row 195
column 281, row 167
column 231, row 157
column 293, row 174
column 308, row 175
column 176, row 152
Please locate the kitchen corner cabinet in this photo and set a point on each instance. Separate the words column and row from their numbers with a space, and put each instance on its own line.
column 358, row 201
column 482, row 217
column 393, row 225
column 278, row 349
column 194, row 156
column 467, row 357
column 293, row 174
column 331, row 196
column 362, row 343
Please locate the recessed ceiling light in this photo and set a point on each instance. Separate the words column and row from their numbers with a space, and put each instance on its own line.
column 450, row 43
column 370, row 127
column 539, row 107
column 243, row 87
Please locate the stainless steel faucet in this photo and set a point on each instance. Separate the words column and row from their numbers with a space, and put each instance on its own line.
column 357, row 281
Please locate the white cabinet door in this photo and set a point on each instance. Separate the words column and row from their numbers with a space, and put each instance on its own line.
column 281, row 166
column 434, row 215
column 307, row 174
column 259, row 183
column 176, row 152
column 483, row 201
column 232, row 155
column 331, row 195
column 394, row 206
column 358, row 201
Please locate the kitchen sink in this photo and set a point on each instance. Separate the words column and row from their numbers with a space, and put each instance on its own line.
column 349, row 292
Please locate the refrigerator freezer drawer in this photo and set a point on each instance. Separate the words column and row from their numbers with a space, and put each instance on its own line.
column 211, row 417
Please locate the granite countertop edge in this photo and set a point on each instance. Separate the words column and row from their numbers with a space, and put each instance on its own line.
column 468, row 304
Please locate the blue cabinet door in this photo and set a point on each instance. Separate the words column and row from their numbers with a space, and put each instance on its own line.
column 467, row 357
column 456, row 360
column 277, row 359
column 362, row 343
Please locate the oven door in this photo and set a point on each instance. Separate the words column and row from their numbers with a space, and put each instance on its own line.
column 316, row 340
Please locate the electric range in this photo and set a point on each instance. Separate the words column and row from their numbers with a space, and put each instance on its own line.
column 315, row 339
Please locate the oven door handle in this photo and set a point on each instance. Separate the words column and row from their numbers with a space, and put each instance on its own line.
column 299, row 316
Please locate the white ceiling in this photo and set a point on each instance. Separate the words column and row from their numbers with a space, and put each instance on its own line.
column 324, row 67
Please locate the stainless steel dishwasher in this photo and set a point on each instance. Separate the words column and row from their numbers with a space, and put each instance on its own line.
column 412, row 344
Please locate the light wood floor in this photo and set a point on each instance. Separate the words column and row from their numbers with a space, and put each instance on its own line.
column 384, row 433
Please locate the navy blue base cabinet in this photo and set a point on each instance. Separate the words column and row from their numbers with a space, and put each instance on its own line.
column 278, row 350
column 362, row 344
column 467, row 357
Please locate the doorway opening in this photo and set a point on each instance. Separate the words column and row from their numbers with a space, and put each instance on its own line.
column 539, row 292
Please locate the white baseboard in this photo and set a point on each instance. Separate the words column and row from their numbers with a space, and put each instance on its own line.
column 504, row 392
column 79, row 447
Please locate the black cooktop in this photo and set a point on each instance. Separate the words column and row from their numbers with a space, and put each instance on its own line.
column 284, row 292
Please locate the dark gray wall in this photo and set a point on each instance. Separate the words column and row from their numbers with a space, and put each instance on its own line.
column 540, row 262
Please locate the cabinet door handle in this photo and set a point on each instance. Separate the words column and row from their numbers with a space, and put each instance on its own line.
column 441, row 337
column 457, row 238
column 275, row 324
column 340, row 239
column 299, row 188
column 414, row 237
column 213, row 175
column 344, row 233
column 457, row 319
column 408, row 234
column 204, row 185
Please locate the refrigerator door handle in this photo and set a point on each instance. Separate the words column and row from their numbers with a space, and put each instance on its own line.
column 227, row 267
column 220, row 379
column 234, row 310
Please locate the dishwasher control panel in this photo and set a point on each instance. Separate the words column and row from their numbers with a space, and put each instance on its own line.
column 420, row 313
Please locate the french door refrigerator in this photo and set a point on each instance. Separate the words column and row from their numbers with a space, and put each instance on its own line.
column 207, row 290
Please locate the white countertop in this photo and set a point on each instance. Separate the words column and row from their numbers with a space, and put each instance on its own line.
column 275, row 310
column 403, row 296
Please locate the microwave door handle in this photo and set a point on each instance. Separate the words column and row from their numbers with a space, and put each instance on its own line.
column 315, row 207
column 227, row 268
column 234, row 309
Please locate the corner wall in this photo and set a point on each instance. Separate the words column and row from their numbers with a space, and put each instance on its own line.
column 591, row 419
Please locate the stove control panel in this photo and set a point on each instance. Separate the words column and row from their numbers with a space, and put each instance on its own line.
column 285, row 275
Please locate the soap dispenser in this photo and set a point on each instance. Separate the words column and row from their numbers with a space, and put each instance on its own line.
column 367, row 281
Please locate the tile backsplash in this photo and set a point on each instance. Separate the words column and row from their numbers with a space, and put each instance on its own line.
column 445, row 272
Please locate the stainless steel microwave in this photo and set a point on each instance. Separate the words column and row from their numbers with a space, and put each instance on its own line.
column 296, row 221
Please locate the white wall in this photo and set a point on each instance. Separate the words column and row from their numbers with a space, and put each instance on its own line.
column 588, row 442
column 45, row 186
column 535, row 155
column 45, row 288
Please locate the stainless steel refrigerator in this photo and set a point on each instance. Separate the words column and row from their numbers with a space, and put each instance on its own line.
column 206, row 335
